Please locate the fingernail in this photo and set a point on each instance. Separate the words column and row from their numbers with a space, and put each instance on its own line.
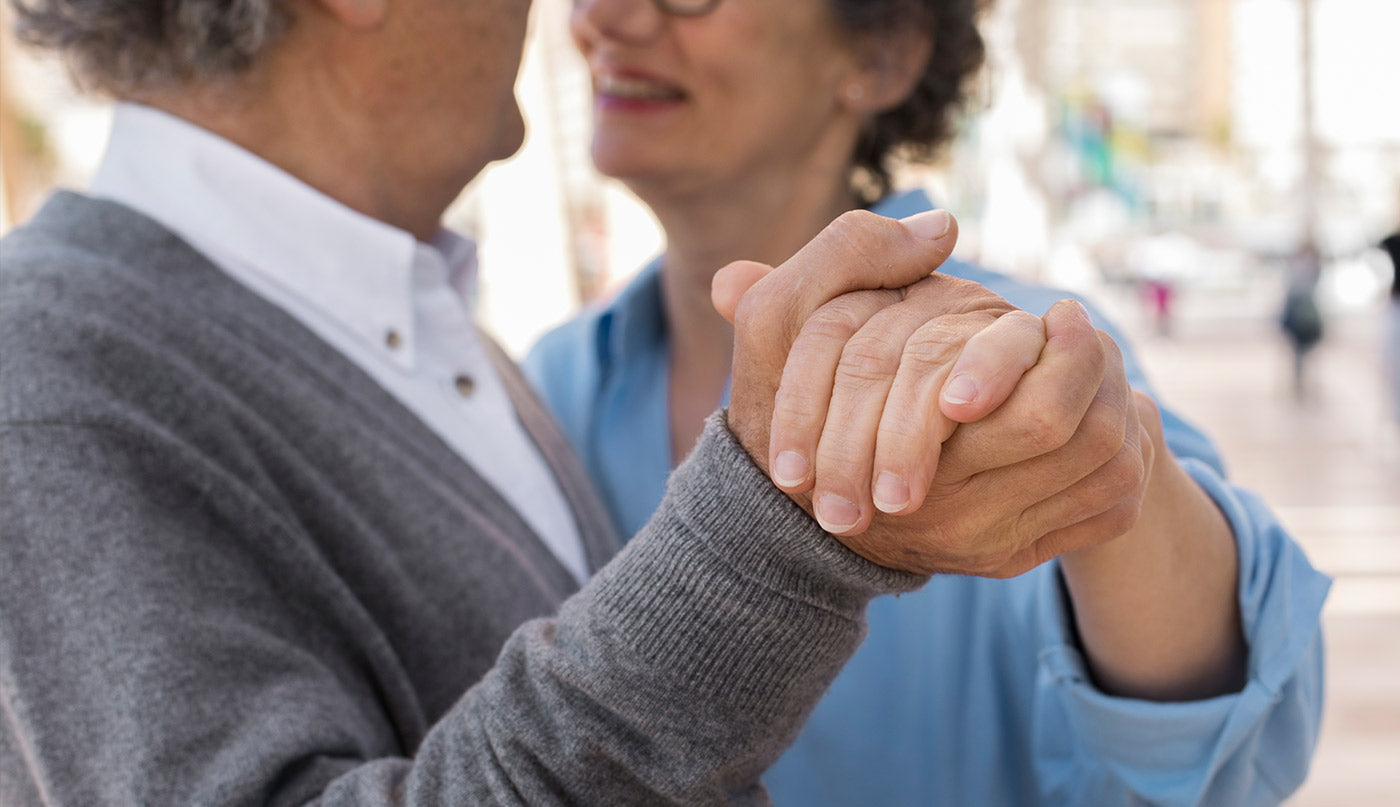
column 891, row 493
column 961, row 389
column 836, row 514
column 930, row 225
column 790, row 469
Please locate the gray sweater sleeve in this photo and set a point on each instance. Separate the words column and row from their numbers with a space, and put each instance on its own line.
column 683, row 669
column 677, row 675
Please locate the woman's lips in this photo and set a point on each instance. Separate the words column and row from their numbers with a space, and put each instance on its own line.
column 634, row 92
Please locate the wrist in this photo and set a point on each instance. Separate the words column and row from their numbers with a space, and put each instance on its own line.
column 1156, row 608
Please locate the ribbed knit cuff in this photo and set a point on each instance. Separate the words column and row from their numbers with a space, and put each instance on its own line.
column 735, row 589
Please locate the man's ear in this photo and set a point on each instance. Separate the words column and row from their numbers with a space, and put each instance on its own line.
column 361, row 14
column 891, row 65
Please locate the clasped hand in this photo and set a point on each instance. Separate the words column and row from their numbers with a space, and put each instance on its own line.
column 923, row 420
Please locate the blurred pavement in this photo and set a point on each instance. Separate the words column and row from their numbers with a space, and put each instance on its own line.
column 1330, row 465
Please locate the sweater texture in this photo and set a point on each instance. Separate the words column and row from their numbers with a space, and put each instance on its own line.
column 234, row 570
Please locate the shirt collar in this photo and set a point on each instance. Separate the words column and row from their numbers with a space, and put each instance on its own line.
column 250, row 216
column 635, row 320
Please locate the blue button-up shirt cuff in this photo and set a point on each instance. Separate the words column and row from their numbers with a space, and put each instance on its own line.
column 1091, row 744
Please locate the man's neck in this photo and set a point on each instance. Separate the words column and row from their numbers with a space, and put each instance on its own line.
column 296, row 118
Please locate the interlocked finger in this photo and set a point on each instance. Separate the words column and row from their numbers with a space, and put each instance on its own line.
column 915, row 421
column 1046, row 406
column 804, row 394
column 865, row 374
column 859, row 251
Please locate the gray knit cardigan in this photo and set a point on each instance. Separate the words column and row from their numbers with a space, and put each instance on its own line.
column 233, row 570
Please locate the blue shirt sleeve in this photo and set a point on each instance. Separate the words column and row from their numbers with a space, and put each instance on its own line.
column 1249, row 748
column 1252, row 747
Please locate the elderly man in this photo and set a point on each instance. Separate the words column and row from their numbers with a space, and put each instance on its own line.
column 277, row 519
column 280, row 526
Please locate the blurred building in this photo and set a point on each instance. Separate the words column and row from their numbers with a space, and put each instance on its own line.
column 1151, row 138
column 1111, row 138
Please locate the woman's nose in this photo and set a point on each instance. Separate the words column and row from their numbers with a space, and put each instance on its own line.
column 627, row 20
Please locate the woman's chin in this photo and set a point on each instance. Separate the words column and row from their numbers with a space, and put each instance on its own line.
column 621, row 162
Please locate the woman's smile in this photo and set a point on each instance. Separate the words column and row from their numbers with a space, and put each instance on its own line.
column 633, row 91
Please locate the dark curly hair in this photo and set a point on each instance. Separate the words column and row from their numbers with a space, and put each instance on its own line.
column 120, row 47
column 926, row 120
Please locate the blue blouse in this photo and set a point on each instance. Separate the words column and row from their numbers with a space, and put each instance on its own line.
column 973, row 691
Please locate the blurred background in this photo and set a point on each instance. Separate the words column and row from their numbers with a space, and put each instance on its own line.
column 1172, row 159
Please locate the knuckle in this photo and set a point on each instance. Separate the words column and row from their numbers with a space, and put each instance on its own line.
column 934, row 344
column 868, row 358
column 996, row 565
column 1120, row 519
column 1096, row 353
column 865, row 235
column 795, row 410
column 862, row 226
column 903, row 439
column 1087, row 345
column 1130, row 473
column 1011, row 570
column 1111, row 353
column 836, row 321
column 960, row 295
column 757, row 307
column 1023, row 320
column 1045, row 550
column 1046, row 429
column 1120, row 480
column 978, row 556
column 1103, row 433
column 1146, row 407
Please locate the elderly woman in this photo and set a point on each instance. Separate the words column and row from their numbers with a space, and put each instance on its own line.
column 1179, row 664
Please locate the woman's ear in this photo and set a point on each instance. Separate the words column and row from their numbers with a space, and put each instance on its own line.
column 361, row 14
column 891, row 65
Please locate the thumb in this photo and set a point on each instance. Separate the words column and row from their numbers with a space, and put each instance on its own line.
column 935, row 227
column 730, row 283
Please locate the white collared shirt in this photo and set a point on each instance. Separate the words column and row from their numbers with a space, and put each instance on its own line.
column 396, row 307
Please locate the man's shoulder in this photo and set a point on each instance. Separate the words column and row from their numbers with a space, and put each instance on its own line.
column 81, row 249
column 85, row 257
column 100, row 307
column 77, row 224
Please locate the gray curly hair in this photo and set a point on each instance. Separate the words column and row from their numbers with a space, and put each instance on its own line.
column 121, row 47
column 926, row 120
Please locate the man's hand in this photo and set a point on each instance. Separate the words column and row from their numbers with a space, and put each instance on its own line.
column 1052, row 453
column 877, row 379
column 867, row 258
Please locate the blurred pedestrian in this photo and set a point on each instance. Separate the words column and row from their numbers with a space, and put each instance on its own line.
column 1160, row 294
column 1301, row 318
column 1391, row 245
